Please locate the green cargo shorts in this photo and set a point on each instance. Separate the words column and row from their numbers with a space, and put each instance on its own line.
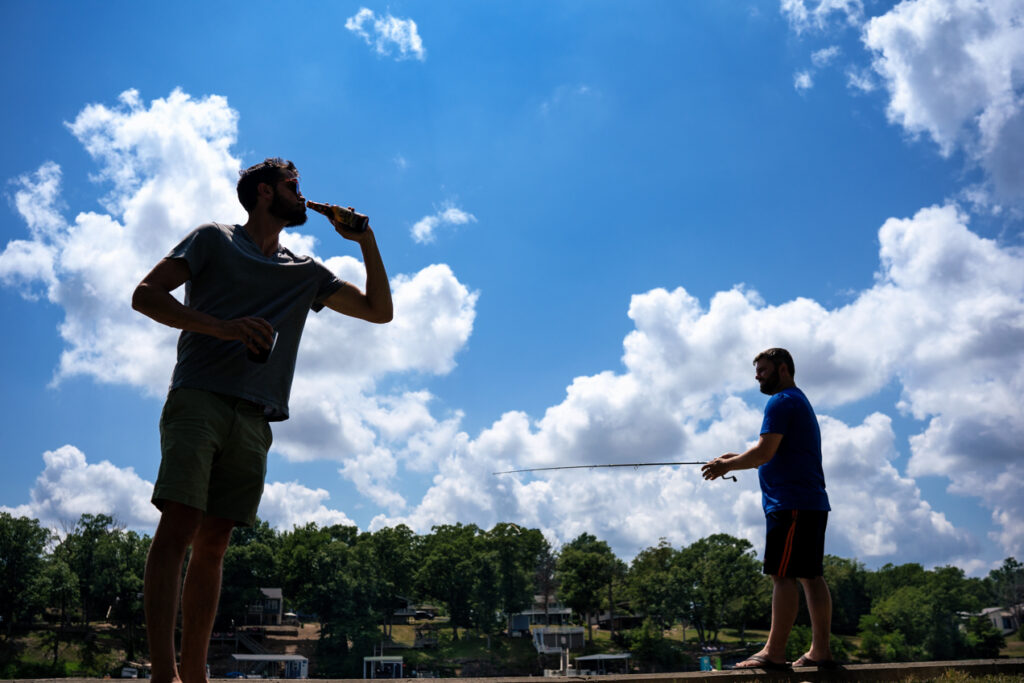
column 214, row 454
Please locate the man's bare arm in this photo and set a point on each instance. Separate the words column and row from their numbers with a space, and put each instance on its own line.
column 153, row 298
column 755, row 456
column 375, row 305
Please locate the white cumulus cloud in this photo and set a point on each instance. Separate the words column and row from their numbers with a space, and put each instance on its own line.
column 387, row 33
column 954, row 70
column 286, row 505
column 804, row 15
column 424, row 230
column 825, row 56
column 70, row 487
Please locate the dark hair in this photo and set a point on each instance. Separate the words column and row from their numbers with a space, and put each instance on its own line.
column 269, row 171
column 777, row 356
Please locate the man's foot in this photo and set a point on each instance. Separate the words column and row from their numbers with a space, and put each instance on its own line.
column 824, row 663
column 760, row 661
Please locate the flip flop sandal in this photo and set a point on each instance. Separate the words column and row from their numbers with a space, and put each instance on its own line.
column 763, row 663
column 823, row 664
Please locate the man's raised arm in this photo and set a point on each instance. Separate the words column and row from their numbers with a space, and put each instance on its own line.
column 375, row 305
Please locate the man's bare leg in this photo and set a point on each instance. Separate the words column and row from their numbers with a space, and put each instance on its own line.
column 162, row 584
column 819, row 604
column 785, row 603
column 200, row 595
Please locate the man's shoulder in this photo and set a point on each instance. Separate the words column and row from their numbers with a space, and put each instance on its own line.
column 225, row 229
column 790, row 400
column 785, row 400
column 213, row 230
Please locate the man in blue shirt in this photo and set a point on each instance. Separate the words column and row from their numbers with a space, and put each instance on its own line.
column 788, row 459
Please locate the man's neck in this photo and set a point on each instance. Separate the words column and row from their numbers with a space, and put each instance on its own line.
column 264, row 230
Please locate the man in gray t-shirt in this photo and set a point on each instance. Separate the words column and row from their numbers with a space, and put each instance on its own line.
column 246, row 301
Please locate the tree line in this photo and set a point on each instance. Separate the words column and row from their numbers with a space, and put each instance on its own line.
column 352, row 582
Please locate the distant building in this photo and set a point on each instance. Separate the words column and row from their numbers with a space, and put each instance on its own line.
column 557, row 639
column 623, row 620
column 1004, row 619
column 268, row 609
column 383, row 666
column 410, row 611
column 556, row 614
column 272, row 665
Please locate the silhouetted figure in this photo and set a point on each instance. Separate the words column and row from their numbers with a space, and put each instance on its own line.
column 246, row 301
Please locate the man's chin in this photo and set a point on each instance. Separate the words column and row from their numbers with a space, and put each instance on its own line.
column 297, row 221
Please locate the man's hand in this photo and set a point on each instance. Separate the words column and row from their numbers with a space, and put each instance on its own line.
column 256, row 333
column 718, row 467
column 340, row 222
column 153, row 298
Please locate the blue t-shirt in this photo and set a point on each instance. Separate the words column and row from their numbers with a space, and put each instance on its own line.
column 232, row 278
column 793, row 478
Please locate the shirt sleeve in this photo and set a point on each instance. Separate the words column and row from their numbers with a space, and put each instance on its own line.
column 777, row 415
column 328, row 284
column 196, row 248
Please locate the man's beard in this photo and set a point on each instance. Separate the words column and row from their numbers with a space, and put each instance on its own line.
column 770, row 385
column 295, row 215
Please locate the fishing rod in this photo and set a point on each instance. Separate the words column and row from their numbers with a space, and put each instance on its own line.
column 634, row 465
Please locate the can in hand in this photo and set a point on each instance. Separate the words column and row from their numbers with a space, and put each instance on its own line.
column 350, row 219
column 264, row 354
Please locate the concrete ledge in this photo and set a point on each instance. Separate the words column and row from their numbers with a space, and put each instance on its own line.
column 852, row 672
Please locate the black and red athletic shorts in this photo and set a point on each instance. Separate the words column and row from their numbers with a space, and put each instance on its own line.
column 795, row 544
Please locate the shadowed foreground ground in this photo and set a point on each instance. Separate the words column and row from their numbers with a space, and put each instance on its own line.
column 998, row 669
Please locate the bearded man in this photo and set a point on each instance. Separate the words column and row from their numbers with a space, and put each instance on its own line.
column 246, row 302
column 788, row 459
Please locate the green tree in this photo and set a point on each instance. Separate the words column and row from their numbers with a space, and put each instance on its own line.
column 447, row 570
column 655, row 585
column 59, row 585
column 906, row 610
column 250, row 563
column 394, row 561
column 847, row 582
column 886, row 580
column 517, row 553
column 949, row 596
column 299, row 554
column 487, row 594
column 87, row 550
column 126, row 560
column 340, row 588
column 652, row 652
column 586, row 569
column 545, row 580
column 22, row 542
column 881, row 644
column 924, row 619
column 724, row 583
column 247, row 568
column 984, row 641
column 1008, row 587
column 615, row 578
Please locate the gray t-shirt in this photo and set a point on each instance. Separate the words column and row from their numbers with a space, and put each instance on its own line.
column 231, row 278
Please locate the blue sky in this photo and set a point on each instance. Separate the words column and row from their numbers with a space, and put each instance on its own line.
column 593, row 214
